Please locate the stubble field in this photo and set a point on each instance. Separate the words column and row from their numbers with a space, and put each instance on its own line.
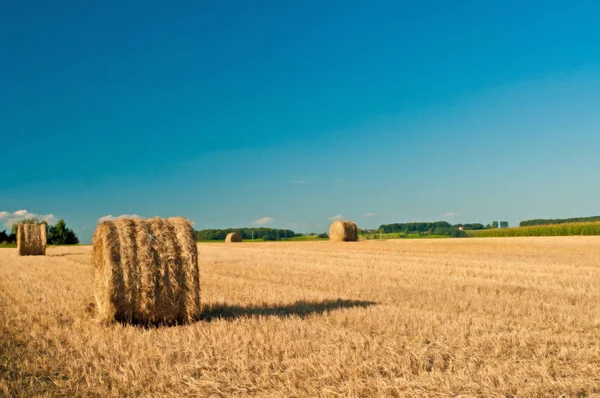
column 472, row 317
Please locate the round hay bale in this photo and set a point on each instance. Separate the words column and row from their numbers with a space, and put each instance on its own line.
column 31, row 239
column 146, row 271
column 233, row 237
column 343, row 231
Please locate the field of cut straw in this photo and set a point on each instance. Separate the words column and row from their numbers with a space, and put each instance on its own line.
column 471, row 317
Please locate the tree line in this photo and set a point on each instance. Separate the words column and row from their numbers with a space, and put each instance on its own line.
column 548, row 221
column 442, row 228
column 413, row 226
column 57, row 234
column 438, row 228
column 269, row 234
column 478, row 226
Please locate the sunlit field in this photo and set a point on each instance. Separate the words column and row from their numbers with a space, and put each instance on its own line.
column 472, row 317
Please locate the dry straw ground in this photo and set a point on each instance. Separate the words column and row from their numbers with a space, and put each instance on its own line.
column 477, row 317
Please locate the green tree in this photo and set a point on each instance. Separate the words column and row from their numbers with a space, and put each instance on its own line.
column 503, row 224
column 495, row 224
column 59, row 234
column 4, row 237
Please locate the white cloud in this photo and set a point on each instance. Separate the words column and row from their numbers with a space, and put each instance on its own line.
column 450, row 214
column 338, row 217
column 371, row 214
column 263, row 221
column 298, row 182
column 10, row 219
column 110, row 217
column 49, row 218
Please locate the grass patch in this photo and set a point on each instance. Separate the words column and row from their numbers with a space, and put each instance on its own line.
column 570, row 229
column 400, row 235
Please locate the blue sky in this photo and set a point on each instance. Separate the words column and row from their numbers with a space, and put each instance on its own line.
column 289, row 114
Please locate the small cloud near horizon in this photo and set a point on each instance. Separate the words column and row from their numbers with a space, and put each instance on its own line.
column 9, row 219
column 110, row 217
column 335, row 218
column 371, row 214
column 263, row 221
column 450, row 214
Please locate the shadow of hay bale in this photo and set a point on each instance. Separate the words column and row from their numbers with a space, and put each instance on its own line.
column 225, row 311
column 300, row 309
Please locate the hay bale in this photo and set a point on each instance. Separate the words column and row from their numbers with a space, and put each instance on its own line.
column 146, row 271
column 233, row 237
column 31, row 239
column 344, row 231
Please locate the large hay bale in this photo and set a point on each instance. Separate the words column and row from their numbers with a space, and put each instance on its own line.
column 146, row 271
column 344, row 231
column 233, row 237
column 31, row 239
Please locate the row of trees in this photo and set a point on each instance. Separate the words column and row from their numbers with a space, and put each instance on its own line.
column 413, row 226
column 423, row 228
column 548, row 221
column 57, row 234
column 247, row 233
column 478, row 226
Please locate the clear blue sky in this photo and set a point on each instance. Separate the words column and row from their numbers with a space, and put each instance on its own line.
column 299, row 111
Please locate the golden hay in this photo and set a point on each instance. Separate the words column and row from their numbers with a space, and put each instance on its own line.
column 31, row 239
column 344, row 231
column 233, row 237
column 146, row 271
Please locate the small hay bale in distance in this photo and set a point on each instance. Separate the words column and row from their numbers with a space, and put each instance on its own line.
column 343, row 231
column 146, row 271
column 31, row 239
column 233, row 237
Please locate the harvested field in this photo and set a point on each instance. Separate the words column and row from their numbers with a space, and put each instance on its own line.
column 477, row 317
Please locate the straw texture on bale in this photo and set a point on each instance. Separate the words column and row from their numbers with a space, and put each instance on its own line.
column 31, row 239
column 146, row 271
column 233, row 237
column 345, row 231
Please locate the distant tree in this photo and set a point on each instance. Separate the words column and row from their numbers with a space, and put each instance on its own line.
column 503, row 224
column 495, row 224
column 323, row 236
column 488, row 226
column 4, row 237
column 59, row 234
